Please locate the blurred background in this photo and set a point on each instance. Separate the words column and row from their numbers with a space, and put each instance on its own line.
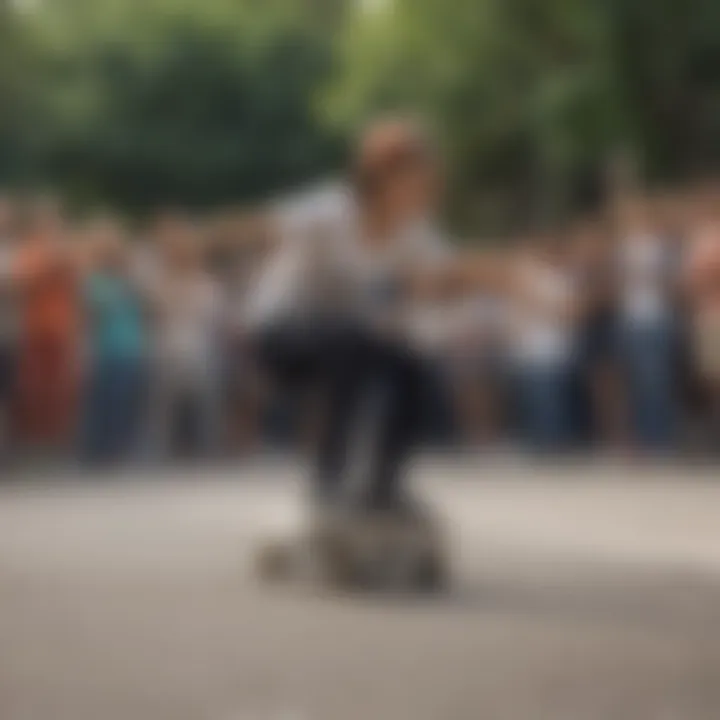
column 141, row 142
column 148, row 136
column 136, row 104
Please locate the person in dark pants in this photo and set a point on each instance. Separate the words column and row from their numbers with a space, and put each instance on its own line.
column 344, row 363
column 647, row 327
column 335, row 308
column 597, row 380
column 114, row 408
column 545, row 346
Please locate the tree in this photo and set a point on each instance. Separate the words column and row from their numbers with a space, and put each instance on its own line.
column 532, row 97
column 197, row 105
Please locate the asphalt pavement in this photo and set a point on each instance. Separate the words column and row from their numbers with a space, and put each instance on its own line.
column 581, row 592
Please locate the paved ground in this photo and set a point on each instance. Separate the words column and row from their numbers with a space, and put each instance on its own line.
column 581, row 594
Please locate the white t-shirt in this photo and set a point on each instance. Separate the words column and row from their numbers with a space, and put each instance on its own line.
column 323, row 267
column 541, row 336
column 190, row 312
column 644, row 269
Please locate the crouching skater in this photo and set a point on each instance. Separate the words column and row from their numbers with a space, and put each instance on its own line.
column 338, row 309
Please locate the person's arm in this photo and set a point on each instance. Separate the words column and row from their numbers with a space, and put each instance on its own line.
column 700, row 269
column 563, row 301
column 573, row 307
column 256, row 233
column 155, row 292
column 8, row 272
column 462, row 274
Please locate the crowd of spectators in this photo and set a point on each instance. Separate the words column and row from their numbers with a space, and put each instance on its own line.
column 127, row 343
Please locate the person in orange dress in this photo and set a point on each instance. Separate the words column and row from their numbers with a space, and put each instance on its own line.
column 47, row 381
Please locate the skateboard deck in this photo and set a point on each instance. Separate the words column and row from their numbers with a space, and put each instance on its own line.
column 372, row 552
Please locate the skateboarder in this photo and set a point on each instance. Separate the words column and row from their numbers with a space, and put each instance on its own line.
column 334, row 309
column 345, row 306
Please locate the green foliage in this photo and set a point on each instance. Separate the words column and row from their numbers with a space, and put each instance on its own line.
column 159, row 102
column 532, row 97
column 141, row 102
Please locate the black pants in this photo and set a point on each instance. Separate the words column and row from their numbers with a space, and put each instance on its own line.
column 347, row 365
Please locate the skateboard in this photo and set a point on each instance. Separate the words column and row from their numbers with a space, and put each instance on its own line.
column 371, row 552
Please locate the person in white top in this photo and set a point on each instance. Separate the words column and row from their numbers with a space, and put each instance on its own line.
column 543, row 343
column 187, row 312
column 647, row 327
column 236, row 245
column 334, row 305
column 474, row 360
